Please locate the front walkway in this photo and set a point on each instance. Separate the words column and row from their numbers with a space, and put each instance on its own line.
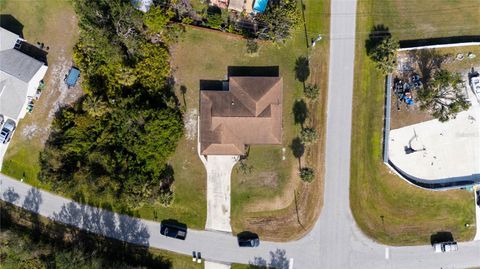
column 219, row 170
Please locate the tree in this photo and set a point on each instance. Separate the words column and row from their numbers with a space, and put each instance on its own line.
column 308, row 136
column 312, row 91
column 277, row 21
column 252, row 46
column 307, row 174
column 384, row 54
column 382, row 48
column 302, row 68
column 443, row 96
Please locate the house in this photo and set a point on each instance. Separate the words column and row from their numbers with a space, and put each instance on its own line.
column 21, row 70
column 247, row 111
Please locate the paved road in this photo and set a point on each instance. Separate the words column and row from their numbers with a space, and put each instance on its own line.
column 334, row 242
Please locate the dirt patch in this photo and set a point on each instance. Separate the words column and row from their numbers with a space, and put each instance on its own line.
column 191, row 118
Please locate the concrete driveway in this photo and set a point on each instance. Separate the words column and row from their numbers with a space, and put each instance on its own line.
column 219, row 170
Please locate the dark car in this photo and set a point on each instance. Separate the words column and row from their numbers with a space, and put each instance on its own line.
column 478, row 197
column 173, row 231
column 248, row 239
column 7, row 131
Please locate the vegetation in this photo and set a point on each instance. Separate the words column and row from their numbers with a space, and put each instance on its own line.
column 444, row 95
column 307, row 174
column 312, row 92
column 252, row 46
column 30, row 241
column 309, row 136
column 382, row 49
column 278, row 20
column 385, row 207
column 116, row 141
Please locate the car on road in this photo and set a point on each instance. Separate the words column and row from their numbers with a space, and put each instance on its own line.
column 445, row 247
column 248, row 240
column 7, row 131
column 174, row 231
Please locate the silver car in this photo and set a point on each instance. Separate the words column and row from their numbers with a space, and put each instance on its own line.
column 7, row 131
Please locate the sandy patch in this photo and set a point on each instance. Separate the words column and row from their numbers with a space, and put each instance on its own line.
column 191, row 124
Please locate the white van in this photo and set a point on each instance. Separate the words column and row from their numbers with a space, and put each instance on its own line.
column 445, row 247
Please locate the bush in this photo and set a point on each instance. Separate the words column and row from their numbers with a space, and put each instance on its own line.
column 308, row 136
column 252, row 46
column 307, row 174
column 312, row 92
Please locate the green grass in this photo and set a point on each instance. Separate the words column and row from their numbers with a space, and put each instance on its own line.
column 385, row 207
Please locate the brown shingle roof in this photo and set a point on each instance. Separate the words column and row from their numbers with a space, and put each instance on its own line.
column 250, row 112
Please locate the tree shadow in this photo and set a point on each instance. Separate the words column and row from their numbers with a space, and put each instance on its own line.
column 428, row 61
column 298, row 149
column 300, row 112
column 302, row 69
column 440, row 237
column 278, row 260
column 103, row 222
column 183, row 91
column 378, row 33
column 33, row 200
column 10, row 195
column 10, row 23
column 110, row 251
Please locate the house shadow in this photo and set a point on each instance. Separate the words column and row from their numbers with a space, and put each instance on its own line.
column 10, row 23
column 253, row 71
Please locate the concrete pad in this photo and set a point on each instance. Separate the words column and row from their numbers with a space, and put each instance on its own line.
column 219, row 169
column 449, row 150
column 215, row 265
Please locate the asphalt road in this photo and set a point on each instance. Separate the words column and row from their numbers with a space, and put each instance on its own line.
column 334, row 242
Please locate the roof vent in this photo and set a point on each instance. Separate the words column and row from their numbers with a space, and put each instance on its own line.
column 233, row 103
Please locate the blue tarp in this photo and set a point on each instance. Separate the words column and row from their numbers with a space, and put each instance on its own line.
column 72, row 77
column 260, row 6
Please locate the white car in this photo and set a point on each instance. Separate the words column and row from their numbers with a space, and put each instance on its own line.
column 7, row 131
column 445, row 247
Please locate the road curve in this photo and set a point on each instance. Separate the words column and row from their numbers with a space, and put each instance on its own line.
column 334, row 242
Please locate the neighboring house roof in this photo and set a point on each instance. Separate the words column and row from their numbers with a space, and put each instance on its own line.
column 19, row 64
column 17, row 69
column 249, row 113
column 12, row 96
column 7, row 39
column 236, row 5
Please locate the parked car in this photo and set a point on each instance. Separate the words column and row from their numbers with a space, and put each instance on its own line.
column 173, row 231
column 445, row 247
column 478, row 197
column 248, row 239
column 7, row 131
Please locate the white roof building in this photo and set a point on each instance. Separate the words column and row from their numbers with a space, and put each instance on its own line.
column 20, row 75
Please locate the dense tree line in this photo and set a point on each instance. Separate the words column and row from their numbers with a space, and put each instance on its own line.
column 117, row 139
column 27, row 242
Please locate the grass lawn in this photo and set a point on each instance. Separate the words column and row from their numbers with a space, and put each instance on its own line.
column 385, row 207
column 268, row 200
